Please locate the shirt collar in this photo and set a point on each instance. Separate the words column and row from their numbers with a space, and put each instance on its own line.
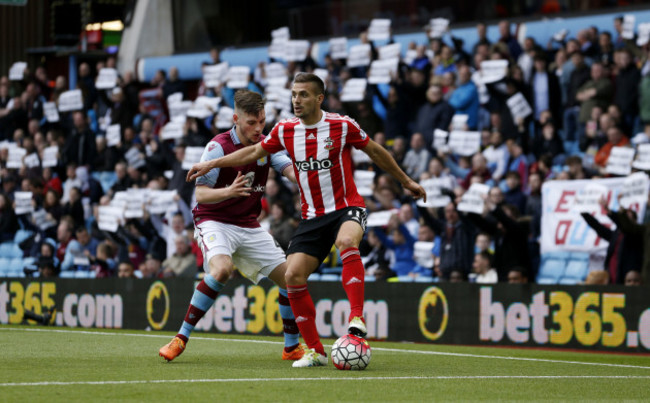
column 233, row 136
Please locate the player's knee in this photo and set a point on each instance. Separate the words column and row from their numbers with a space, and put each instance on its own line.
column 220, row 271
column 294, row 277
column 345, row 242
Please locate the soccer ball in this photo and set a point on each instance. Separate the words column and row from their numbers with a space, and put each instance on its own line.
column 351, row 353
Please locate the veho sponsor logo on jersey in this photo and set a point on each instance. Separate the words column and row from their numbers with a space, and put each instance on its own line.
column 313, row 164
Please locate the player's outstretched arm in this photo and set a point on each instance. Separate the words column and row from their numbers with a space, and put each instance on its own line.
column 243, row 156
column 206, row 194
column 385, row 161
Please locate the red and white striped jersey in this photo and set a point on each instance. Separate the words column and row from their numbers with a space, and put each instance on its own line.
column 322, row 160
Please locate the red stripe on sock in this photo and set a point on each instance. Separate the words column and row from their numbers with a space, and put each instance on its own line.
column 305, row 312
column 193, row 315
column 353, row 279
column 282, row 300
column 289, row 326
column 205, row 289
column 182, row 337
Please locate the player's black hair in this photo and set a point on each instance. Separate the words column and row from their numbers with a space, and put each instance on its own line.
column 311, row 78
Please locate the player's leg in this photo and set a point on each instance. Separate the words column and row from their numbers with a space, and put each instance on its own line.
column 292, row 348
column 353, row 277
column 217, row 244
column 299, row 267
column 205, row 294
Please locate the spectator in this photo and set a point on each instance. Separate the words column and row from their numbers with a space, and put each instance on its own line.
column 417, row 158
column 401, row 242
column 182, row 263
column 517, row 275
column 151, row 268
column 79, row 147
column 464, row 99
column 8, row 220
column 479, row 168
column 483, row 270
column 102, row 264
column 67, row 247
column 639, row 231
column 546, row 90
column 379, row 259
column 88, row 243
column 633, row 278
column 125, row 270
column 457, row 239
column 173, row 85
column 510, row 237
column 281, row 226
column 436, row 113
column 615, row 138
column 627, row 87
column 514, row 49
column 457, row 276
column 595, row 92
column 623, row 251
column 514, row 194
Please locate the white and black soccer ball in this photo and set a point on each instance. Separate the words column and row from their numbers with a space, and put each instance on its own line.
column 351, row 353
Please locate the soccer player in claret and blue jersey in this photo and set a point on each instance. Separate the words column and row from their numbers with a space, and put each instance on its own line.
column 319, row 144
column 226, row 226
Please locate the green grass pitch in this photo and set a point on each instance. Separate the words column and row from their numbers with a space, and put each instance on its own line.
column 58, row 364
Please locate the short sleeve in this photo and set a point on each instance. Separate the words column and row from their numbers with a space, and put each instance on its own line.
column 356, row 136
column 280, row 161
column 212, row 151
column 271, row 143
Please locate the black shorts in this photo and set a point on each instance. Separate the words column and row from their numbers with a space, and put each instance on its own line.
column 316, row 236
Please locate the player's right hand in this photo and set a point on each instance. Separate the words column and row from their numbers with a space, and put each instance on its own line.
column 239, row 187
column 198, row 169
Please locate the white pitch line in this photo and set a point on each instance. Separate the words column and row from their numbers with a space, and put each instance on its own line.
column 369, row 378
column 392, row 350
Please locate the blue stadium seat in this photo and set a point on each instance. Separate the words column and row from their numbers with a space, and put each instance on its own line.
column 16, row 264
column 369, row 279
column 67, row 274
column 21, row 235
column 405, row 279
column 15, row 251
column 426, row 279
column 4, row 263
column 552, row 267
column 330, row 277
column 5, row 249
column 576, row 269
column 332, row 270
column 314, row 277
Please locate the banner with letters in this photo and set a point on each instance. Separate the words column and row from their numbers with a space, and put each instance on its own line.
column 564, row 229
column 612, row 318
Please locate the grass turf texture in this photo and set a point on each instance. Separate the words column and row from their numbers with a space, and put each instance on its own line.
column 247, row 368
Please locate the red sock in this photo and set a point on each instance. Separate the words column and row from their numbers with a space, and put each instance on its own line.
column 353, row 278
column 305, row 312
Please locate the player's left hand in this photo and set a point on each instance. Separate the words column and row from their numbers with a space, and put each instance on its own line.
column 198, row 169
column 417, row 190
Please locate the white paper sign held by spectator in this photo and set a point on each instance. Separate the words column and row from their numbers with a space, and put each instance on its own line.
column 620, row 161
column 473, row 200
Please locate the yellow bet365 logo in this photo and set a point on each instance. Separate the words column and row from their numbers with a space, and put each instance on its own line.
column 433, row 313
column 157, row 301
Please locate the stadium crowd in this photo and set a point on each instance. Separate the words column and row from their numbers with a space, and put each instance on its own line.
column 588, row 93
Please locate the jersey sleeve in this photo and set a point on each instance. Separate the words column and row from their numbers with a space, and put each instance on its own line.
column 212, row 151
column 356, row 136
column 271, row 143
column 280, row 161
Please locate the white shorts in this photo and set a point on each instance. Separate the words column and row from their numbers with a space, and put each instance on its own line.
column 253, row 250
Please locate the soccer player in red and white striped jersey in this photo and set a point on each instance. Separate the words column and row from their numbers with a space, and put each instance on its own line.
column 333, row 212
